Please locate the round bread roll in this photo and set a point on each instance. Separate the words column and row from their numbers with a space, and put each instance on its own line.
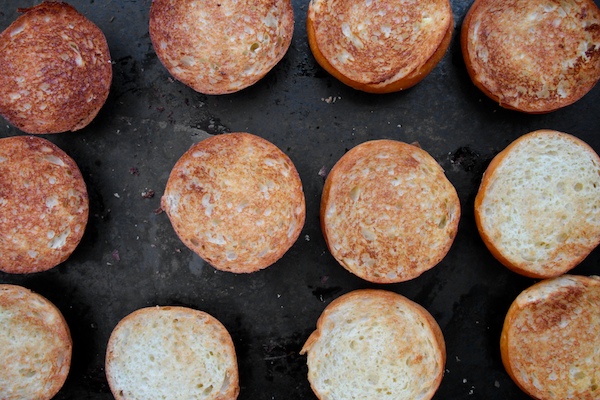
column 379, row 47
column 35, row 345
column 388, row 212
column 56, row 69
column 538, row 206
column 375, row 344
column 220, row 47
column 549, row 342
column 43, row 205
column 532, row 56
column 236, row 200
column 171, row 353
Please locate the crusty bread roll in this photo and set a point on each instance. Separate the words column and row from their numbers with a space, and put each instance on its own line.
column 220, row 47
column 35, row 345
column 538, row 206
column 551, row 336
column 375, row 344
column 237, row 201
column 388, row 212
column 171, row 353
column 532, row 56
column 379, row 47
column 44, row 205
column 56, row 69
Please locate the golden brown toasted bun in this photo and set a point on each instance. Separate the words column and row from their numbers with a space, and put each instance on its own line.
column 220, row 47
column 56, row 70
column 375, row 344
column 538, row 207
column 171, row 353
column 532, row 56
column 388, row 212
column 35, row 345
column 550, row 337
column 236, row 200
column 43, row 205
column 379, row 47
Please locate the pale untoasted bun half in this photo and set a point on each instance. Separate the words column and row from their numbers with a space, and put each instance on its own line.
column 56, row 69
column 532, row 56
column 43, row 205
column 375, row 344
column 35, row 345
column 550, row 337
column 237, row 201
column 171, row 353
column 538, row 206
column 379, row 47
column 388, row 212
column 220, row 47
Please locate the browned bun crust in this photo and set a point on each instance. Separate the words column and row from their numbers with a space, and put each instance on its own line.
column 35, row 345
column 56, row 70
column 220, row 47
column 549, row 341
column 388, row 212
column 530, row 55
column 43, row 203
column 364, row 46
column 236, row 200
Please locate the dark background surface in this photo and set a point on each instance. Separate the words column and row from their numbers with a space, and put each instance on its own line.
column 130, row 256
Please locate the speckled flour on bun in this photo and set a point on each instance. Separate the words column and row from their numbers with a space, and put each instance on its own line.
column 220, row 47
column 43, row 205
column 35, row 345
column 56, row 69
column 236, row 200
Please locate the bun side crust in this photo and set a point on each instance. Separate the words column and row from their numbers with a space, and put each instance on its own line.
column 35, row 345
column 44, row 205
column 365, row 47
column 220, row 47
column 56, row 70
column 388, row 213
column 549, row 341
column 532, row 56
column 237, row 201
column 538, row 204
column 375, row 344
column 171, row 352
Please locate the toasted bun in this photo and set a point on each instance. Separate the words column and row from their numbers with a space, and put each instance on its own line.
column 379, row 47
column 171, row 353
column 44, row 205
column 56, row 70
column 388, row 212
column 219, row 47
column 532, row 56
column 237, row 201
column 375, row 344
column 549, row 342
column 538, row 206
column 35, row 345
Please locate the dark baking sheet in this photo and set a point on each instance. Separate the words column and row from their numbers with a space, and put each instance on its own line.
column 130, row 256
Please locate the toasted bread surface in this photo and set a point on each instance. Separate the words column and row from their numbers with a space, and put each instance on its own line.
column 55, row 69
column 532, row 56
column 171, row 353
column 237, row 201
column 388, row 212
column 44, row 205
column 375, row 344
column 538, row 205
column 550, row 337
column 35, row 345
column 379, row 47
column 220, row 47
